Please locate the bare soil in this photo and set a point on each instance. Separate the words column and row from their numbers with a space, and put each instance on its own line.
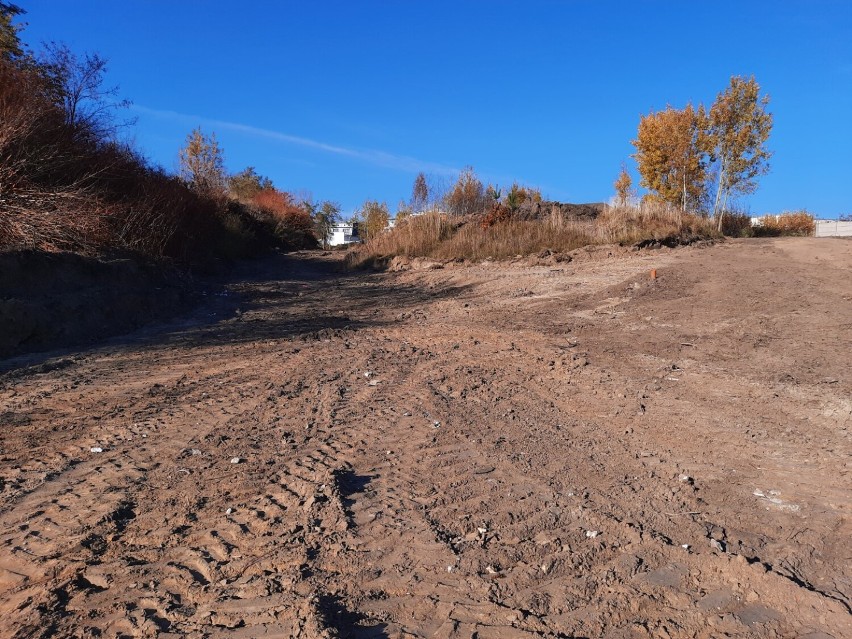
column 571, row 449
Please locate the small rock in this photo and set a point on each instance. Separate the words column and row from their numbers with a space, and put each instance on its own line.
column 373, row 382
column 718, row 545
column 436, row 424
column 591, row 534
column 96, row 449
column 685, row 546
column 236, row 460
column 686, row 479
column 229, row 511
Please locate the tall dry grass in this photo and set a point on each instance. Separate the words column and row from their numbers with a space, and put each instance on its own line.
column 439, row 236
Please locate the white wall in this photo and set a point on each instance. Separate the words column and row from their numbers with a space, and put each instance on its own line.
column 833, row 228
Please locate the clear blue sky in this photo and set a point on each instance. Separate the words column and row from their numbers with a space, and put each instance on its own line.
column 349, row 100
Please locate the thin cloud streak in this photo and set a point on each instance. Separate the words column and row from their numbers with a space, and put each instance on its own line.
column 371, row 156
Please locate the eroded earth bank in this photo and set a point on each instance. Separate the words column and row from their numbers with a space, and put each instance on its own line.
column 562, row 449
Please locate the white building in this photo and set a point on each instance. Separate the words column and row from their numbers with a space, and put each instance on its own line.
column 343, row 233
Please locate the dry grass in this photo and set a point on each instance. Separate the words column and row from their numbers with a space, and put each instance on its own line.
column 442, row 237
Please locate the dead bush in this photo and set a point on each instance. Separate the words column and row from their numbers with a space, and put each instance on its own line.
column 800, row 223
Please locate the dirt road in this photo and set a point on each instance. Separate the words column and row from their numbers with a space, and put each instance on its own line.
column 556, row 450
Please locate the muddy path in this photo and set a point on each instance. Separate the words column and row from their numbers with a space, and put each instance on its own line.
column 563, row 450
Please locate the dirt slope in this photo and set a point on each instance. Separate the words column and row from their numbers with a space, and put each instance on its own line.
column 573, row 450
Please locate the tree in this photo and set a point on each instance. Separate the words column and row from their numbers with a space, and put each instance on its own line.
column 739, row 127
column 202, row 163
column 420, row 193
column 10, row 44
column 467, row 195
column 514, row 198
column 624, row 192
column 375, row 215
column 670, row 151
column 403, row 210
column 247, row 183
column 324, row 218
column 77, row 86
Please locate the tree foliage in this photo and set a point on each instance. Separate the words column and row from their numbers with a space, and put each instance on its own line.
column 467, row 196
column 375, row 215
column 680, row 152
column 738, row 130
column 10, row 43
column 202, row 163
column 671, row 155
column 326, row 216
column 623, row 184
column 419, row 193
column 247, row 183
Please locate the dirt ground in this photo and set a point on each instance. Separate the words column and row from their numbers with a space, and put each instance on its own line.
column 561, row 449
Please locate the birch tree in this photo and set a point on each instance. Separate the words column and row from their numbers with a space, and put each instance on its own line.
column 739, row 127
column 670, row 153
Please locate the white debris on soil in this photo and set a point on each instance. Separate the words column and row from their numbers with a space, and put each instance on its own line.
column 96, row 449
column 236, row 460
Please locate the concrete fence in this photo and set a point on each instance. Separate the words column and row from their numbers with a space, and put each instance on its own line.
column 833, row 228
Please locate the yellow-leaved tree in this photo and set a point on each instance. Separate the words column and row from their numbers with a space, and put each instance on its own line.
column 671, row 153
column 623, row 184
column 738, row 129
column 375, row 215
column 467, row 195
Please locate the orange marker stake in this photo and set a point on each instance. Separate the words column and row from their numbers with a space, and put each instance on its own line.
column 653, row 274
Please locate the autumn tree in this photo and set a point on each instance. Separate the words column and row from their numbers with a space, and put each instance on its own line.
column 375, row 215
column 77, row 85
column 202, row 163
column 467, row 195
column 326, row 216
column 248, row 183
column 624, row 192
column 671, row 154
column 420, row 193
column 403, row 211
column 738, row 129
column 10, row 43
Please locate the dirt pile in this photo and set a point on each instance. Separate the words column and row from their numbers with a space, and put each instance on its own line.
column 498, row 450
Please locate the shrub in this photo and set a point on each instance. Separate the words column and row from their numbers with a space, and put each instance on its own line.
column 737, row 225
column 800, row 223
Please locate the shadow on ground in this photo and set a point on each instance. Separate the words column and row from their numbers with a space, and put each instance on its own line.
column 280, row 297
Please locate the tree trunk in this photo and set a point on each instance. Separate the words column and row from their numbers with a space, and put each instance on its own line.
column 722, row 178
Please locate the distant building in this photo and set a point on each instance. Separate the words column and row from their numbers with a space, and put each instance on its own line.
column 343, row 233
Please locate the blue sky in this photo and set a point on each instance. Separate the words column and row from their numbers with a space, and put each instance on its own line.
column 349, row 100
